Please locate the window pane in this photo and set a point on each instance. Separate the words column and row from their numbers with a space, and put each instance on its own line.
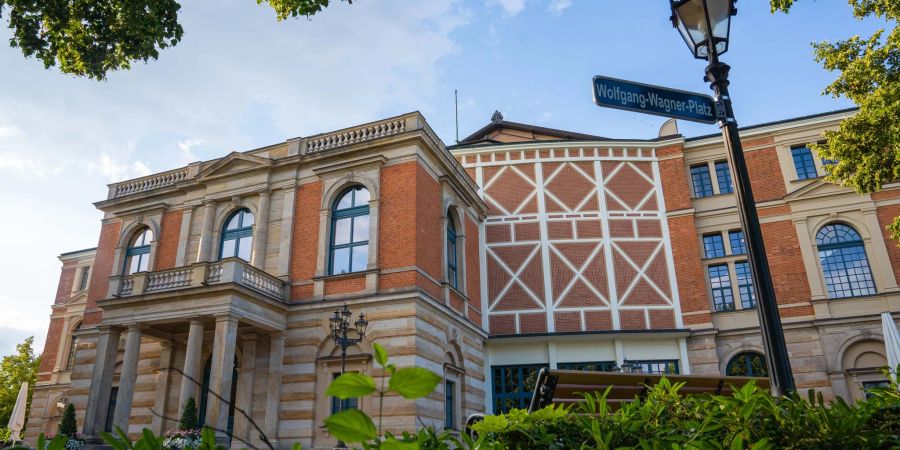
column 745, row 284
column 82, row 285
column 340, row 261
column 143, row 261
column 234, row 223
column 701, row 181
column 360, row 228
column 346, row 200
column 596, row 366
column 360, row 258
column 131, row 265
column 803, row 162
column 342, row 231
column 723, row 177
column 713, row 246
column 244, row 247
column 738, row 245
column 228, row 248
column 362, row 197
column 720, row 285
column 248, row 219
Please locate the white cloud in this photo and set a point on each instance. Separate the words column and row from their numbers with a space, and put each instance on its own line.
column 558, row 6
column 114, row 170
column 185, row 146
column 510, row 7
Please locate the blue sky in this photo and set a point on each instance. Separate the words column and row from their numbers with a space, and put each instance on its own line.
column 241, row 80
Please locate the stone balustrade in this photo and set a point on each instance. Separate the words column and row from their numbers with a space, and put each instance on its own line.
column 355, row 135
column 230, row 270
column 151, row 182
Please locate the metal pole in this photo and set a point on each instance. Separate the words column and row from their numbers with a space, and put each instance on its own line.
column 343, row 344
column 780, row 374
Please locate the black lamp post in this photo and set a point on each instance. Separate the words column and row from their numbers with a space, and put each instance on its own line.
column 340, row 325
column 704, row 25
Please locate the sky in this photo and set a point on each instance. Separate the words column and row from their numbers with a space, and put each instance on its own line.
column 239, row 79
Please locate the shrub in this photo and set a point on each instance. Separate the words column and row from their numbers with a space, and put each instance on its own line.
column 189, row 420
column 752, row 419
column 67, row 425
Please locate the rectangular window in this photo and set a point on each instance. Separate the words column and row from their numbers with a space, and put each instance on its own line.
column 720, row 284
column 723, row 177
column 595, row 366
column 713, row 246
column 111, row 410
column 83, row 281
column 449, row 405
column 660, row 367
column 513, row 386
column 803, row 162
column 738, row 245
column 338, row 405
column 745, row 284
column 701, row 180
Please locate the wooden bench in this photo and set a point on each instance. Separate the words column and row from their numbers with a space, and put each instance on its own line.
column 555, row 387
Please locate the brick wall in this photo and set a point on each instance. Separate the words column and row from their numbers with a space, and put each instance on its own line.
column 473, row 264
column 51, row 348
column 305, row 241
column 430, row 235
column 167, row 246
column 766, row 179
column 103, row 269
column 66, row 281
column 397, row 227
column 886, row 215
column 786, row 266
column 673, row 174
column 688, row 269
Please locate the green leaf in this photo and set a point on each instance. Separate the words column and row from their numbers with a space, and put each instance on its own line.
column 110, row 440
column 381, row 356
column 351, row 425
column 351, row 385
column 413, row 382
column 296, row 446
column 392, row 443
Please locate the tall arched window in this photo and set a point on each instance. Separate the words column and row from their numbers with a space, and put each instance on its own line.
column 137, row 255
column 237, row 237
column 747, row 364
column 350, row 231
column 844, row 262
column 452, row 273
column 73, row 343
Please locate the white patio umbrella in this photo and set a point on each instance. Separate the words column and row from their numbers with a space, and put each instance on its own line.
column 17, row 420
column 891, row 341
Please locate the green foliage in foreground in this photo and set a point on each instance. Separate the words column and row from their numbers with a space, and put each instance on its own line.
column 752, row 419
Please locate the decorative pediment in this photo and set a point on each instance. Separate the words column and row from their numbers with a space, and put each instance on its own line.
column 233, row 163
column 815, row 189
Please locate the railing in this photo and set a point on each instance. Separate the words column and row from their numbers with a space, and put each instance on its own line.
column 231, row 270
column 355, row 135
column 151, row 182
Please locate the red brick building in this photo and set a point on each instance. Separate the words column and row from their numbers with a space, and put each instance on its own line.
column 522, row 247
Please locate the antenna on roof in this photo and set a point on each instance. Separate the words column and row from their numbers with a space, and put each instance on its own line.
column 456, row 105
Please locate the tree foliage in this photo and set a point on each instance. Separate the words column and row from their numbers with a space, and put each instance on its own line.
column 865, row 150
column 189, row 416
column 15, row 369
column 93, row 37
column 67, row 425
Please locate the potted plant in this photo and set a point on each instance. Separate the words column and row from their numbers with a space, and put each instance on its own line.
column 68, row 428
column 187, row 435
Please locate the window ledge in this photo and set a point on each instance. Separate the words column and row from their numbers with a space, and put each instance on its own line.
column 342, row 276
column 734, row 311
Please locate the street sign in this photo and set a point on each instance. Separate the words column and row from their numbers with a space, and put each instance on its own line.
column 649, row 99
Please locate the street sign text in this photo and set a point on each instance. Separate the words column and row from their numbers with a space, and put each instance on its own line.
column 648, row 99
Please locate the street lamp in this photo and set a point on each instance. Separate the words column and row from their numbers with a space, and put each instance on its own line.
column 340, row 325
column 705, row 25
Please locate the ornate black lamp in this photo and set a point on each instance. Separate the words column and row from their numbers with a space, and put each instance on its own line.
column 705, row 26
column 340, row 325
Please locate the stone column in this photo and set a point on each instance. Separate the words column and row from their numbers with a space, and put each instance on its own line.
column 287, row 231
column 273, row 387
column 101, row 382
column 184, row 237
column 244, row 395
column 261, row 231
column 128, row 377
column 209, row 212
column 190, row 378
column 880, row 261
column 161, row 394
column 220, row 377
column 810, row 258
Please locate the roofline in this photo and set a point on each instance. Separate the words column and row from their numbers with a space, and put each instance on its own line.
column 562, row 134
column 778, row 122
column 75, row 252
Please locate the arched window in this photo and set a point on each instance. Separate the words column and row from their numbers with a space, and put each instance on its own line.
column 452, row 273
column 350, row 231
column 73, row 343
column 747, row 364
column 844, row 262
column 137, row 256
column 237, row 237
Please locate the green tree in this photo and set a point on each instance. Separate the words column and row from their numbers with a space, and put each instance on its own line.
column 67, row 425
column 189, row 416
column 15, row 369
column 92, row 37
column 865, row 150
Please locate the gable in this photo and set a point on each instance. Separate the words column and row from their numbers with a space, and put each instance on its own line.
column 234, row 163
column 815, row 189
